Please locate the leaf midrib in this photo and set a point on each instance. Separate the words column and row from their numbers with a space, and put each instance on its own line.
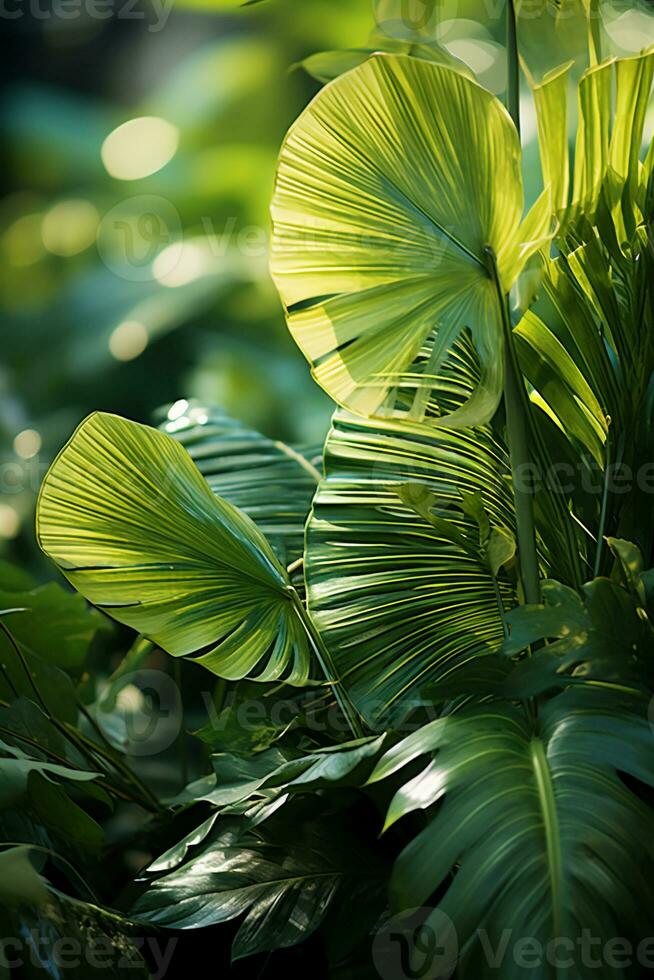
column 547, row 800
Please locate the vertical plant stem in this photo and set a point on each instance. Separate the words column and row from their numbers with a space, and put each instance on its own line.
column 88, row 748
column 604, row 506
column 515, row 397
column 512, row 65
column 516, row 406
column 182, row 741
column 328, row 668
column 594, row 33
column 513, row 106
column 517, row 430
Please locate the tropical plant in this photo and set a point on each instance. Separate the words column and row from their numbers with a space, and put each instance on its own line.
column 475, row 548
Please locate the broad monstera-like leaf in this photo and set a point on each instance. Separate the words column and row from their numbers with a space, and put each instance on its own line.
column 394, row 187
column 398, row 601
column 135, row 527
column 608, row 637
column 270, row 481
column 536, row 828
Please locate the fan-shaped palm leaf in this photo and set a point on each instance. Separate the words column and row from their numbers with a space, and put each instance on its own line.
column 380, row 263
column 133, row 524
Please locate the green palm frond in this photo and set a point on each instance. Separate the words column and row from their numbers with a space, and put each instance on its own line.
column 397, row 603
column 134, row 526
column 378, row 262
column 270, row 481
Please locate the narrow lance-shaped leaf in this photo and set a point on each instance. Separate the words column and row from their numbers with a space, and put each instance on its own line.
column 551, row 100
column 609, row 142
column 132, row 523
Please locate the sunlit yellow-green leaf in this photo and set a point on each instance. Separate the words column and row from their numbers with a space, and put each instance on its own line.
column 610, row 135
column 392, row 186
column 132, row 523
column 551, row 100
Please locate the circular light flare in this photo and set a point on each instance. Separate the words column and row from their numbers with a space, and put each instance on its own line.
column 70, row 227
column 27, row 443
column 179, row 264
column 22, row 240
column 128, row 340
column 139, row 147
column 9, row 522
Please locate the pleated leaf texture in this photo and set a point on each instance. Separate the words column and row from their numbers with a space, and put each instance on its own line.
column 393, row 186
column 134, row 526
column 613, row 97
column 397, row 605
column 270, row 481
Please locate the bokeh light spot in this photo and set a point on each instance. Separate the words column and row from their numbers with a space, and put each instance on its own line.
column 139, row 147
column 179, row 264
column 22, row 240
column 128, row 340
column 9, row 522
column 70, row 227
column 27, row 443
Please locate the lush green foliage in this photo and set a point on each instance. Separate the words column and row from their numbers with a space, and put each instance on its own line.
column 460, row 652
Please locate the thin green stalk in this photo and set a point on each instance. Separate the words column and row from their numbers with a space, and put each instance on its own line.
column 133, row 659
column 604, row 507
column 594, row 33
column 512, row 65
column 60, row 760
column 295, row 565
column 81, row 743
column 182, row 741
column 90, row 748
column 514, row 391
column 113, row 759
column 500, row 606
column 324, row 659
column 517, row 424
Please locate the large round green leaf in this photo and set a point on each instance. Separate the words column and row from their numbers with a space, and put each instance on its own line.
column 135, row 527
column 392, row 186
column 399, row 604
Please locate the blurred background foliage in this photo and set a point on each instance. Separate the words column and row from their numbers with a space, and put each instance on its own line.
column 141, row 137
